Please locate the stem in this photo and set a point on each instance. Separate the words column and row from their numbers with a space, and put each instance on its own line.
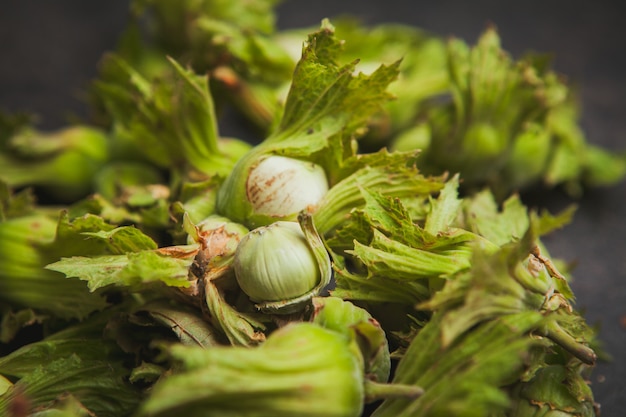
column 376, row 391
column 317, row 246
column 553, row 331
column 251, row 103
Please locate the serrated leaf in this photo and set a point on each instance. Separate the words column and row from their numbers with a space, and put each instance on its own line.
column 499, row 226
column 129, row 270
column 99, row 271
column 97, row 205
column 151, row 266
column 326, row 98
column 70, row 239
column 444, row 210
column 545, row 222
column 124, row 239
column 389, row 216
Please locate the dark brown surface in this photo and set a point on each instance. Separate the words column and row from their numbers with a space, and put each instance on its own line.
column 50, row 49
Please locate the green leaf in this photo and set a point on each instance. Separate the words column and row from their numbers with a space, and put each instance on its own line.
column 423, row 68
column 267, row 62
column 129, row 270
column 99, row 271
column 90, row 235
column 545, row 222
column 358, row 228
column 147, row 267
column 99, row 206
column 198, row 30
column 253, row 15
column 70, row 238
column 124, row 239
column 326, row 98
column 500, row 226
column 389, row 215
column 444, row 209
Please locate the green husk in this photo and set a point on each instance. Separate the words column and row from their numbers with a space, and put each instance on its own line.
column 288, row 375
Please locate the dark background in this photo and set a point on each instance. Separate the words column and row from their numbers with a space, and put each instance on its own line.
column 49, row 50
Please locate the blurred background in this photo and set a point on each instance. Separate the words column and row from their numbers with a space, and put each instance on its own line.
column 50, row 51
